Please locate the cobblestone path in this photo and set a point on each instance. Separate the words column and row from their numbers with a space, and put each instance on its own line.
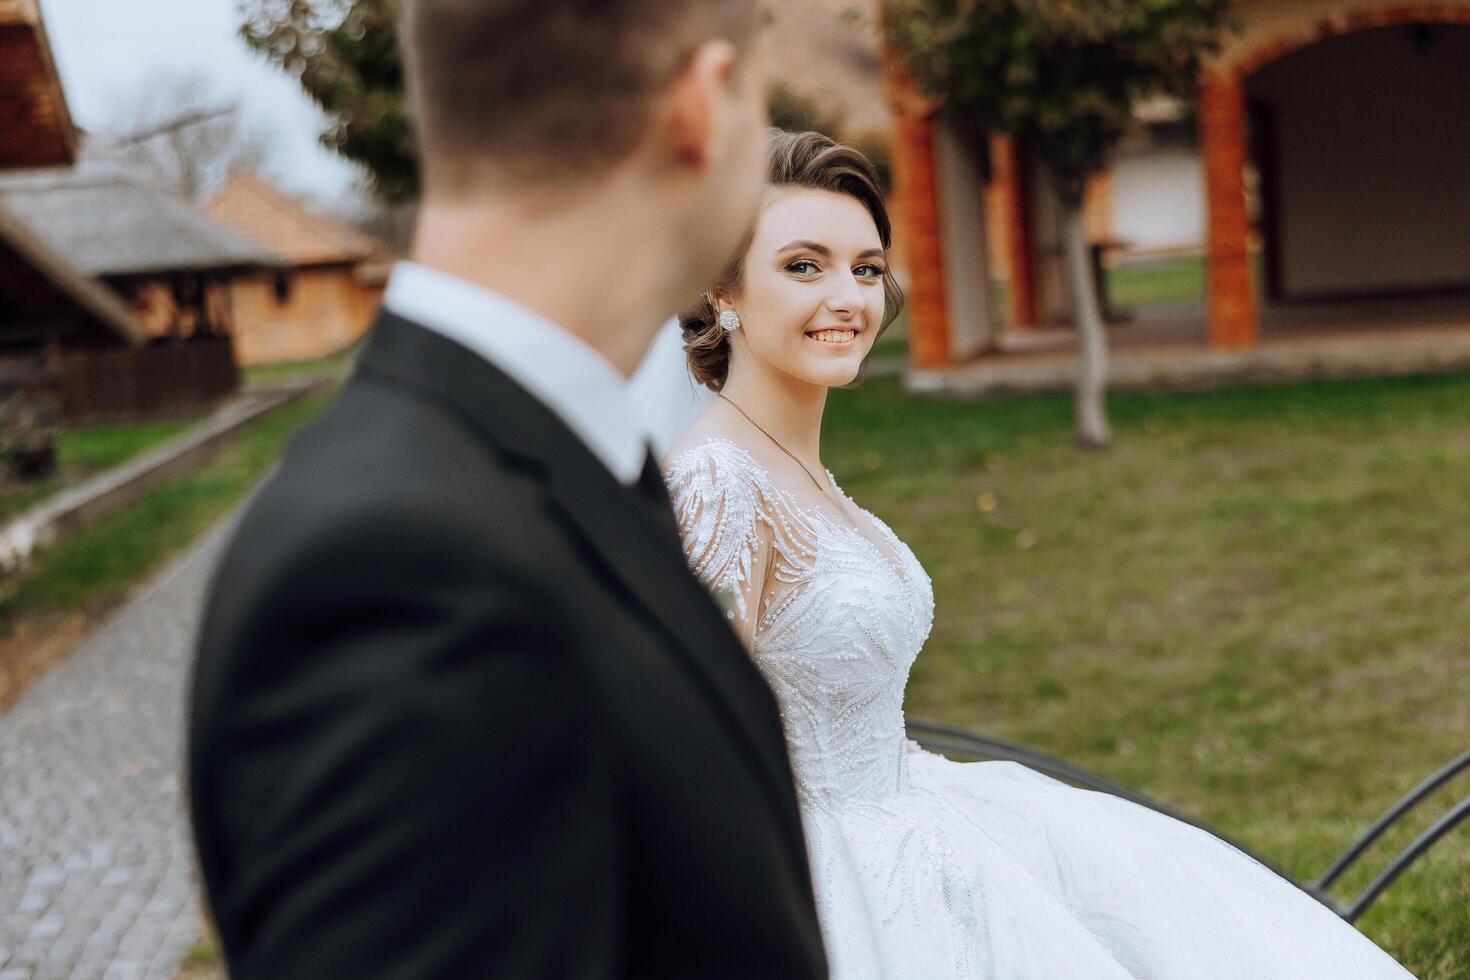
column 96, row 865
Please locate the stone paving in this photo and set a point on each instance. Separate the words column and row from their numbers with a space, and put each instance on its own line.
column 96, row 864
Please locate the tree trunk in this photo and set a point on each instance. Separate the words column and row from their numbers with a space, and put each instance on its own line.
column 1092, row 361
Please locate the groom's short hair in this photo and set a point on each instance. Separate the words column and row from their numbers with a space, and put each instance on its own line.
column 536, row 91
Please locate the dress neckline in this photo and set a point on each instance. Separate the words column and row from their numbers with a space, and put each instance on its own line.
column 890, row 552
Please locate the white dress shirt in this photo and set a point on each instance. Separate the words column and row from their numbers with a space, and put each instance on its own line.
column 663, row 391
column 570, row 378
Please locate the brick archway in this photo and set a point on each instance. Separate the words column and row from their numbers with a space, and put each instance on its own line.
column 1349, row 20
column 1223, row 133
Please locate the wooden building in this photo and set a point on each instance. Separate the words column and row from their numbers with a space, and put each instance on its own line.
column 49, row 301
column 35, row 127
column 323, row 295
column 164, row 265
column 111, row 298
column 73, row 343
column 170, row 263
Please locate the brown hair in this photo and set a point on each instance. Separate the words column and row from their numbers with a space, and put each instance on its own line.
column 537, row 92
column 796, row 160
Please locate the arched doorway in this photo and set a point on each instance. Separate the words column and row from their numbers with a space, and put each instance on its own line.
column 1359, row 131
column 1362, row 144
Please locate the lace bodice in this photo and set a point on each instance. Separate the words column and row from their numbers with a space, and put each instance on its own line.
column 836, row 615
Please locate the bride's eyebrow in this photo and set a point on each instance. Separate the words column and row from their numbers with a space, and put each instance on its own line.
column 824, row 251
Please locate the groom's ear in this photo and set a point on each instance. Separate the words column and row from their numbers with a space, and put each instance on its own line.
column 699, row 96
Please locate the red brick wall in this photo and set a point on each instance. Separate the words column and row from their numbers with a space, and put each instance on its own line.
column 918, row 216
column 1222, row 136
column 1348, row 17
column 1010, row 199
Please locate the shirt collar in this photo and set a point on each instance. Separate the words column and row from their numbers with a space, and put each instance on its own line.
column 569, row 377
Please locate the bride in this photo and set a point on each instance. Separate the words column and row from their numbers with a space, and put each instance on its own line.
column 924, row 868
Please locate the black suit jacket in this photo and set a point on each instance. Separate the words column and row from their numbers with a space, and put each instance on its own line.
column 461, row 710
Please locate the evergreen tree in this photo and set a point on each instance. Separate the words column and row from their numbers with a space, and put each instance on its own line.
column 345, row 53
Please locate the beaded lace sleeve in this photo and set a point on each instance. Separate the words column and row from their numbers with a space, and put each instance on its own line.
column 728, row 536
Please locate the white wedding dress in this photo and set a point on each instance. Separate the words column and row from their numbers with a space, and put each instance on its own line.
column 927, row 869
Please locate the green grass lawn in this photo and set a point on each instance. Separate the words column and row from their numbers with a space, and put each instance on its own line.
column 260, row 375
column 84, row 452
column 1168, row 282
column 96, row 563
column 1254, row 607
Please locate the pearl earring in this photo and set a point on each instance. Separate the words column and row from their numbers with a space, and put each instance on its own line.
column 730, row 320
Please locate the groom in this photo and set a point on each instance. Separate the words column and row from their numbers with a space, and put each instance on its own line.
column 460, row 709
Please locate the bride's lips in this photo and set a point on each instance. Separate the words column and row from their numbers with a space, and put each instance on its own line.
column 834, row 336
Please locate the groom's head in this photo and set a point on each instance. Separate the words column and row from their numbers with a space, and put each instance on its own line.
column 547, row 98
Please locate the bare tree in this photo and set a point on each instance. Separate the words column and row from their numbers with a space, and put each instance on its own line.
column 182, row 130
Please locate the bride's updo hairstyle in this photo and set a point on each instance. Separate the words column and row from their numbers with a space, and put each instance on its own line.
column 809, row 160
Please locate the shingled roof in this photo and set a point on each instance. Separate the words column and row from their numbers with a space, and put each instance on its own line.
column 35, row 126
column 107, row 221
column 265, row 214
column 44, row 282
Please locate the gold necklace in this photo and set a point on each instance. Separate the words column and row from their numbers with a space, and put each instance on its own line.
column 776, row 442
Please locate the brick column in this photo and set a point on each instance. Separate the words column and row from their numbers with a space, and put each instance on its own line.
column 1009, row 173
column 1222, row 136
column 917, row 212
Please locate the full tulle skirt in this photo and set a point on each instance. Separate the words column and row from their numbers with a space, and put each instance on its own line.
column 992, row 870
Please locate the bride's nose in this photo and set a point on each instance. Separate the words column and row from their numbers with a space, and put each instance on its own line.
column 846, row 298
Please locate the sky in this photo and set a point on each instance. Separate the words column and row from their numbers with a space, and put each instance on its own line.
column 108, row 51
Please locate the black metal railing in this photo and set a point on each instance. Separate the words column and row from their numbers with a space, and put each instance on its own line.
column 958, row 743
column 1408, row 855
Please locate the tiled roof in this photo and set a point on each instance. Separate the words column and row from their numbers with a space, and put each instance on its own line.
column 62, row 279
column 263, row 213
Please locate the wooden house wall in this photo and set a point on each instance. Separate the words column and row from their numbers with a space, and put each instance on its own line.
column 155, row 304
column 160, row 379
column 35, row 126
column 325, row 310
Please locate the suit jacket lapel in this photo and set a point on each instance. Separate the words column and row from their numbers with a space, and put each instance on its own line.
column 633, row 541
column 643, row 553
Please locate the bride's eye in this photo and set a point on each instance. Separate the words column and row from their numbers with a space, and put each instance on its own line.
column 793, row 267
column 874, row 271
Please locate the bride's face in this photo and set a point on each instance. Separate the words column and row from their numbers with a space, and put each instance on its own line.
column 811, row 300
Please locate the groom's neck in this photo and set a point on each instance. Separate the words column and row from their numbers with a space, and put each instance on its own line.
column 599, row 265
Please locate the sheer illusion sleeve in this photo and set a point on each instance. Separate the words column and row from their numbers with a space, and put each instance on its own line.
column 728, row 537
